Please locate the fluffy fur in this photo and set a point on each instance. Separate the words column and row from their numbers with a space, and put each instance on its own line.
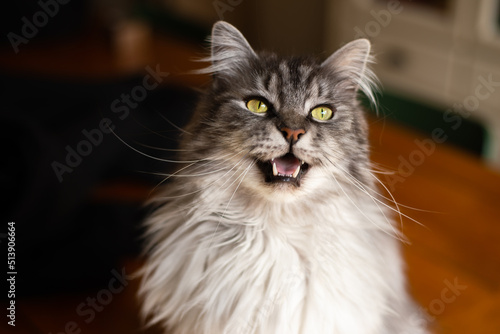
column 229, row 252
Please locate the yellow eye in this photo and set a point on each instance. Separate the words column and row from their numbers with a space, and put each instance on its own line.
column 257, row 106
column 322, row 113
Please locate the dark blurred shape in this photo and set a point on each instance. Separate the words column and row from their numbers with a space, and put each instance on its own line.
column 66, row 19
column 438, row 5
column 74, row 188
column 67, row 237
column 498, row 18
column 172, row 23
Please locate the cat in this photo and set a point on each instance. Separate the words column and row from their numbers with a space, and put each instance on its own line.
column 274, row 224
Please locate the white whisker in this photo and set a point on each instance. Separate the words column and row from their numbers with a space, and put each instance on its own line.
column 173, row 124
column 162, row 148
column 395, row 234
column 147, row 155
column 358, row 184
column 242, row 176
column 398, row 205
column 205, row 187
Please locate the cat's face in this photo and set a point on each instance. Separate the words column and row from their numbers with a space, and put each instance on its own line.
column 282, row 126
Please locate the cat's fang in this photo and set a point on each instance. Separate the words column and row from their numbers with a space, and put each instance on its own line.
column 287, row 169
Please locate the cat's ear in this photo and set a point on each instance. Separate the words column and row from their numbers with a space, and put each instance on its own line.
column 351, row 63
column 229, row 49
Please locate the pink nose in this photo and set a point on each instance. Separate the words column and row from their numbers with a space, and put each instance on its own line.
column 292, row 134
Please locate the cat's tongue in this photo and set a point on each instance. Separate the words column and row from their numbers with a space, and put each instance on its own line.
column 287, row 165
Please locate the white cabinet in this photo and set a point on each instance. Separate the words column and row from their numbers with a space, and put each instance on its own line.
column 445, row 56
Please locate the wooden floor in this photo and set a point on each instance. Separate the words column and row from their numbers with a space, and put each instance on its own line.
column 453, row 253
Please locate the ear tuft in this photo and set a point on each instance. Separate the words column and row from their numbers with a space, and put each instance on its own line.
column 352, row 61
column 229, row 49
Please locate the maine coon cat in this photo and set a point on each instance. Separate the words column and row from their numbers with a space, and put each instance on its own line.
column 274, row 225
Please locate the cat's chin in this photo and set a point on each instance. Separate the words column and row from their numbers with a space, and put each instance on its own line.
column 283, row 172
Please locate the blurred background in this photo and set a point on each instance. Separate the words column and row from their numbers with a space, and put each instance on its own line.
column 75, row 189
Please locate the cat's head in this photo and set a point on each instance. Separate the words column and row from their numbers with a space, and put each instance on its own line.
column 282, row 126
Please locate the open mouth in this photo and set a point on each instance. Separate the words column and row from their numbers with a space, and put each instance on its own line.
column 287, row 169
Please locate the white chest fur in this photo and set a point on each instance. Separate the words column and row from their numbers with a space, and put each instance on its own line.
column 286, row 269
